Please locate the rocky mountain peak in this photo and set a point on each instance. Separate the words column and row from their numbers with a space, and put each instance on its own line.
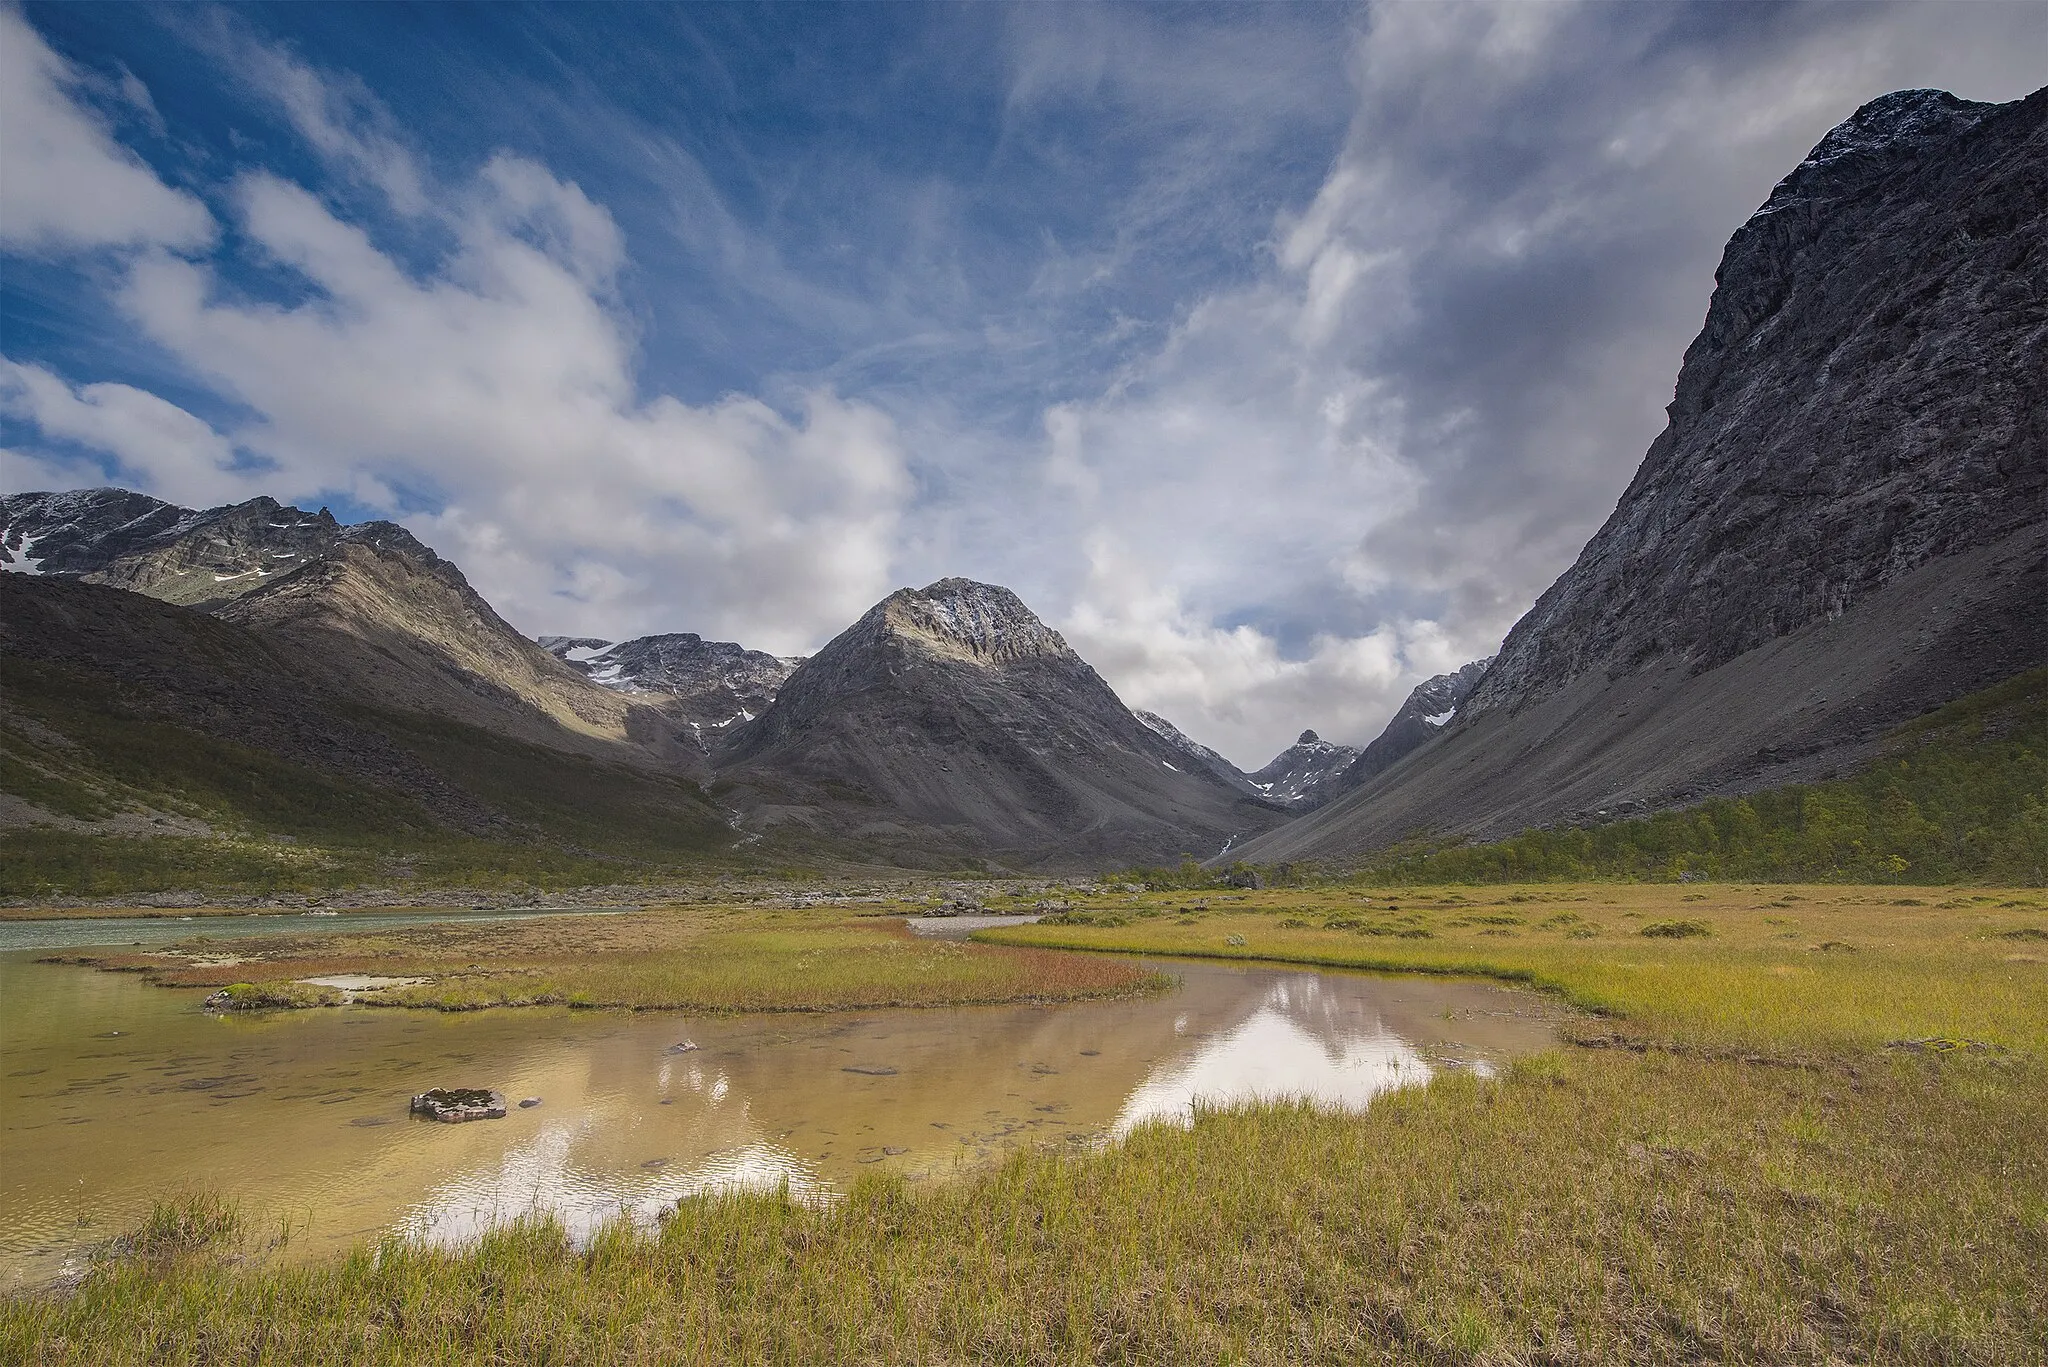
column 983, row 624
column 1306, row 773
column 1875, row 135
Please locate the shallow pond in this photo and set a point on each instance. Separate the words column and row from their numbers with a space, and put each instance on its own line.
column 113, row 1092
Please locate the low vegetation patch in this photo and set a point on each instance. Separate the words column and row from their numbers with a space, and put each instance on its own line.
column 698, row 959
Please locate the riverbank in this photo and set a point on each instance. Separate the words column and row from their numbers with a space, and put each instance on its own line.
column 1771, row 1150
column 701, row 959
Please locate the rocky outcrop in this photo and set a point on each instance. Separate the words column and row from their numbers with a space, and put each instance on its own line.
column 714, row 684
column 1307, row 773
column 1197, row 754
column 1431, row 707
column 1844, row 522
column 951, row 723
column 82, row 530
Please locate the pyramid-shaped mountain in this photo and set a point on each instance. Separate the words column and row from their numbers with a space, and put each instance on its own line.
column 950, row 723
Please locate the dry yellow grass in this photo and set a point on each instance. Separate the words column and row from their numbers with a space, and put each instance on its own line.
column 696, row 958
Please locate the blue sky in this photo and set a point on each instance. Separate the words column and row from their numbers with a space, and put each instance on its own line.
column 1279, row 355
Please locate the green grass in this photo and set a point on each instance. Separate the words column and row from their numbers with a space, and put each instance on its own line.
column 1799, row 968
column 1747, row 1169
column 1596, row 1209
column 1960, row 793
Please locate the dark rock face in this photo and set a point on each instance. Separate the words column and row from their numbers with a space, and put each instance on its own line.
column 949, row 722
column 1307, row 773
column 1431, row 707
column 1866, row 396
column 1844, row 523
column 196, row 558
column 82, row 530
column 1198, row 755
column 455, row 1105
column 716, row 684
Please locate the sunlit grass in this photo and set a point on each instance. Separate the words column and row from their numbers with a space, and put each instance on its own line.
column 709, row 959
column 1595, row 1208
column 1820, row 966
column 1760, row 1176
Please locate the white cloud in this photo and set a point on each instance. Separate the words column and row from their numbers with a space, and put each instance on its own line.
column 506, row 380
column 65, row 184
column 159, row 445
column 1396, row 436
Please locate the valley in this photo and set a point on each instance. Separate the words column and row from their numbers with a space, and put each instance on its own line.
column 1669, row 985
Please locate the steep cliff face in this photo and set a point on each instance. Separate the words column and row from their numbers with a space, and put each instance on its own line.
column 1866, row 396
column 1844, row 522
column 950, row 722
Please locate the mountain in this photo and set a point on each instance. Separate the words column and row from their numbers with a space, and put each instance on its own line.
column 1431, row 707
column 123, row 716
column 1844, row 522
column 367, row 607
column 1197, row 754
column 1306, row 773
column 715, row 684
column 950, row 723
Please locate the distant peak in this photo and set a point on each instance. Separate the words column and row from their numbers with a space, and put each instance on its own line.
column 1307, row 738
column 984, row 623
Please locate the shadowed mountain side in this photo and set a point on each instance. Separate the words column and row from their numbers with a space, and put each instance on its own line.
column 949, row 722
column 117, row 703
column 1865, row 396
column 1198, row 754
column 385, row 620
column 1804, row 707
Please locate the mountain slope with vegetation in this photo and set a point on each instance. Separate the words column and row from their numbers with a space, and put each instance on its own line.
column 1958, row 795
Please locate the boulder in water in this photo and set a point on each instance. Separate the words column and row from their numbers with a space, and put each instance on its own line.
column 453, row 1105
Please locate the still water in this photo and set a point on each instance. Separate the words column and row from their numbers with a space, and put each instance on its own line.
column 113, row 1092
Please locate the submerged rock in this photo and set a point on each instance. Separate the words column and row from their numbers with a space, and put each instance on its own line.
column 453, row 1105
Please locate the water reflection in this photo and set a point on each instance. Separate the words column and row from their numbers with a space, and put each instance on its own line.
column 113, row 1092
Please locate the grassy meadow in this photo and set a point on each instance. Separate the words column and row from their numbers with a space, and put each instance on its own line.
column 1806, row 1126
column 678, row 959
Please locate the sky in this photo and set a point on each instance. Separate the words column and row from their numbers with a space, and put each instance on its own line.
column 1278, row 355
